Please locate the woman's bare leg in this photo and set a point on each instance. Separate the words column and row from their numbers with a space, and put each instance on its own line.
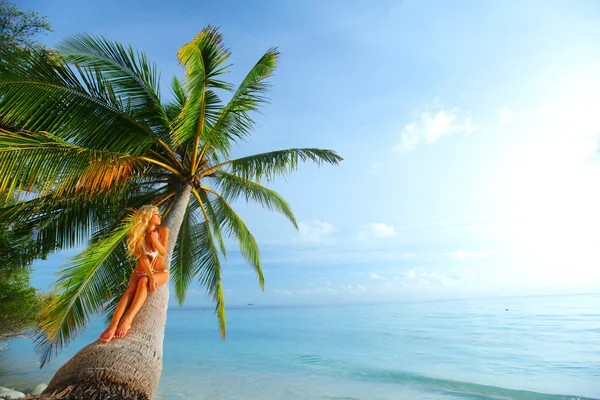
column 140, row 297
column 126, row 299
column 138, row 301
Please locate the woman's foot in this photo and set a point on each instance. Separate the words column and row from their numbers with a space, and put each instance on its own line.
column 109, row 333
column 123, row 328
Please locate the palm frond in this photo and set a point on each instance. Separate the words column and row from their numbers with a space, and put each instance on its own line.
column 128, row 77
column 234, row 121
column 174, row 108
column 209, row 268
column 182, row 262
column 58, row 225
column 40, row 92
column 129, row 73
column 214, row 220
column 275, row 163
column 233, row 187
column 187, row 124
column 209, row 272
column 235, row 228
column 81, row 290
column 203, row 59
column 44, row 163
column 68, row 221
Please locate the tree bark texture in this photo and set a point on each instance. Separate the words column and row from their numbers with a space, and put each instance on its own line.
column 129, row 367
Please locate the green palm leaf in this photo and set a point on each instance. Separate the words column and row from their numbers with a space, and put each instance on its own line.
column 208, row 271
column 203, row 59
column 275, row 163
column 233, row 187
column 68, row 221
column 129, row 74
column 174, row 108
column 235, row 228
column 214, row 221
column 209, row 268
column 40, row 92
column 234, row 121
column 182, row 261
column 58, row 224
column 47, row 163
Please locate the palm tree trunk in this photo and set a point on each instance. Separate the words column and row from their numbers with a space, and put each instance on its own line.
column 130, row 367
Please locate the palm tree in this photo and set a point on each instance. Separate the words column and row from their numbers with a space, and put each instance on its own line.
column 92, row 143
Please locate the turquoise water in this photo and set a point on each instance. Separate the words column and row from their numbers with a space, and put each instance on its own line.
column 541, row 348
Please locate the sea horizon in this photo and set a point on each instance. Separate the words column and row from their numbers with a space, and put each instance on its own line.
column 173, row 306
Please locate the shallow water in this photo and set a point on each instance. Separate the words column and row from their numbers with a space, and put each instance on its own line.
column 542, row 348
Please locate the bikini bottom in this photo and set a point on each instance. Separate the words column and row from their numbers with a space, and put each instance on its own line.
column 143, row 273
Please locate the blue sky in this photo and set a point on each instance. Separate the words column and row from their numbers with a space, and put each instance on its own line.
column 469, row 131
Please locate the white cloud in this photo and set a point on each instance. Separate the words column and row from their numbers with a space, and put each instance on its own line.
column 470, row 255
column 410, row 274
column 428, row 126
column 353, row 288
column 377, row 277
column 314, row 231
column 434, row 278
column 303, row 292
column 413, row 279
column 504, row 115
column 374, row 169
column 377, row 230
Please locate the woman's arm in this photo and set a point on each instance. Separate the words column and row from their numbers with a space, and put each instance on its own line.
column 146, row 266
column 152, row 282
column 160, row 243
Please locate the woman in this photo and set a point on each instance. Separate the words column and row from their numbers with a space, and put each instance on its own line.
column 148, row 242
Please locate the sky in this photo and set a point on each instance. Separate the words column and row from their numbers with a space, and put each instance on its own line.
column 469, row 132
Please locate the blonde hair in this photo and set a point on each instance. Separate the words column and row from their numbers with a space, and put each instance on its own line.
column 135, row 237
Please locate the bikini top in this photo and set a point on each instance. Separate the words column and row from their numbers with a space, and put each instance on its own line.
column 152, row 254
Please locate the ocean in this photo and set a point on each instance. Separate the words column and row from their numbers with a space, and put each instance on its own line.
column 539, row 347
